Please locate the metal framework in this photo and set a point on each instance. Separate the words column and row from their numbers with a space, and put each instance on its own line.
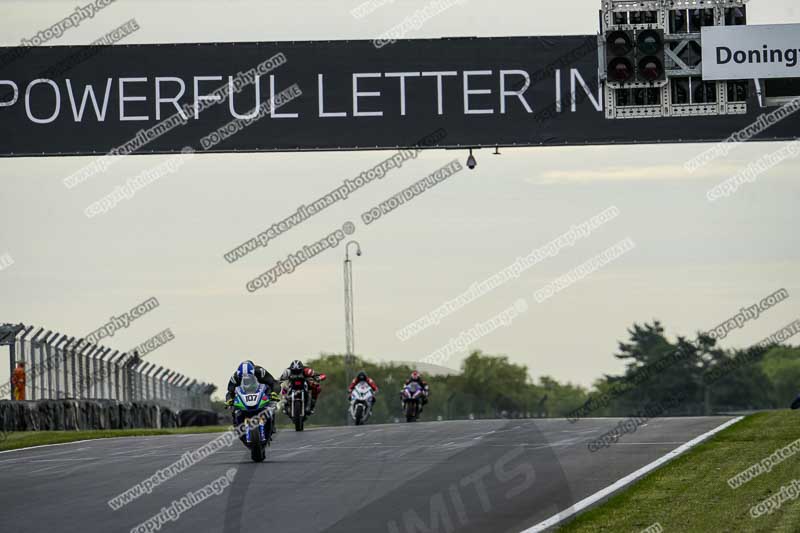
column 676, row 69
column 62, row 367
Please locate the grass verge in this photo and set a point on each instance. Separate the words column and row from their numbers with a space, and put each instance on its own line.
column 15, row 440
column 25, row 439
column 691, row 494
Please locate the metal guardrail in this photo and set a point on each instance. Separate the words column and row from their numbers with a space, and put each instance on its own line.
column 61, row 367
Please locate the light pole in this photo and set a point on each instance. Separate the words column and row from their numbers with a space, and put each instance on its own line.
column 348, row 310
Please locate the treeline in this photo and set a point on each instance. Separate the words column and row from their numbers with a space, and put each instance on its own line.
column 487, row 387
column 702, row 377
column 707, row 378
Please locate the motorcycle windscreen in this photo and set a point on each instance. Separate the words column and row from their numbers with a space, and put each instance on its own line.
column 249, row 385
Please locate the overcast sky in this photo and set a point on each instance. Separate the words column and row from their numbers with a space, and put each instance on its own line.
column 694, row 265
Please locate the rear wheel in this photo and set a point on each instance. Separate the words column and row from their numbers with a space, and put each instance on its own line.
column 269, row 430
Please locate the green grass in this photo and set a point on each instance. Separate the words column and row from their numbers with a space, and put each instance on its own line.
column 24, row 439
column 15, row 440
column 691, row 494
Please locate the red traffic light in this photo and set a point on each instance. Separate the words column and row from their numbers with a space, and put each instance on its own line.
column 651, row 69
column 620, row 70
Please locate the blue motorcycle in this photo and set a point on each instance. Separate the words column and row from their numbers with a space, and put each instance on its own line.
column 252, row 403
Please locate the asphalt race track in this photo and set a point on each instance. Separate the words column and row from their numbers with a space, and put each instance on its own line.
column 498, row 475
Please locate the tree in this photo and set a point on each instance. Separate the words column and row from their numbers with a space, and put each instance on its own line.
column 781, row 365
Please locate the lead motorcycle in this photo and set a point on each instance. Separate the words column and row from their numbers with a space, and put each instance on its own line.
column 411, row 397
column 361, row 400
column 253, row 402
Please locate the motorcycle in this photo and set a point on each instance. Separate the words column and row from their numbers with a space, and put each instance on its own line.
column 252, row 401
column 298, row 400
column 361, row 400
column 412, row 401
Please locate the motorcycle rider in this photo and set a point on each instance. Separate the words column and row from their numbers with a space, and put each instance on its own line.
column 248, row 368
column 362, row 376
column 417, row 378
column 298, row 370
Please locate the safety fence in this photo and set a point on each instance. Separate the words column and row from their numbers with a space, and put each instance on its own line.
column 58, row 366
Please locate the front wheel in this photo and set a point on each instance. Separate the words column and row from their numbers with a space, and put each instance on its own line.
column 359, row 415
column 258, row 452
column 299, row 415
column 411, row 412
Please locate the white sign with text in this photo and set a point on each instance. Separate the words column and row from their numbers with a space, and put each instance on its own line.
column 751, row 52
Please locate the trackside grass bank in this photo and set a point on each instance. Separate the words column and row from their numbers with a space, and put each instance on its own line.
column 692, row 493
column 15, row 440
column 24, row 439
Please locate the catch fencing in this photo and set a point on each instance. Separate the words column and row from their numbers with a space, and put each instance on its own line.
column 61, row 367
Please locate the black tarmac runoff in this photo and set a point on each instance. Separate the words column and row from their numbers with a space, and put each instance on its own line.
column 481, row 476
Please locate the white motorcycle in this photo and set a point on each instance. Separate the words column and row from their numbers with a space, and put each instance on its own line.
column 361, row 400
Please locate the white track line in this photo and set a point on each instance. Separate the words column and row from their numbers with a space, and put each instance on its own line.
column 57, row 444
column 627, row 480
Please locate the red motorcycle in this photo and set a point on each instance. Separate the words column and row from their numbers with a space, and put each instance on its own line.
column 298, row 400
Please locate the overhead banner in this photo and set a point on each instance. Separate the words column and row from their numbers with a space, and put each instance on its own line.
column 327, row 95
column 751, row 52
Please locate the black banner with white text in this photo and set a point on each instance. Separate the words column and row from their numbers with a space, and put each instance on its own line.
column 326, row 95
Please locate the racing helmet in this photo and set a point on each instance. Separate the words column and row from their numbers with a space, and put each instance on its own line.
column 246, row 368
column 362, row 376
column 296, row 367
column 415, row 376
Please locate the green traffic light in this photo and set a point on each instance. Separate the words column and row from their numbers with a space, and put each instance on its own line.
column 649, row 42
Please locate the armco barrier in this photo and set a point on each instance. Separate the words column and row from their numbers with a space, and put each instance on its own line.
column 46, row 415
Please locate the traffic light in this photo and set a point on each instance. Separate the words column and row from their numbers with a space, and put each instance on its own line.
column 620, row 56
column 653, row 59
column 635, row 56
column 650, row 56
